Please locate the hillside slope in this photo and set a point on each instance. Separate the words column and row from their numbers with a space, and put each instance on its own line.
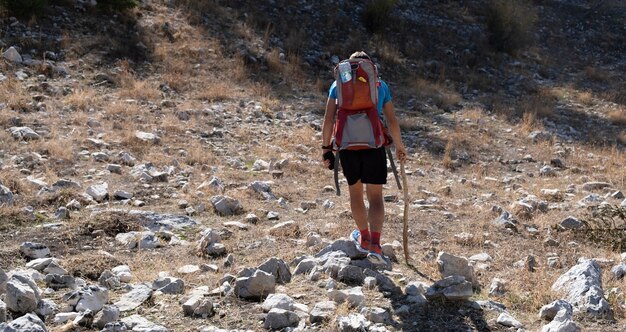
column 172, row 152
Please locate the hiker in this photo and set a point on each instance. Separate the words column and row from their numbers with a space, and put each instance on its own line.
column 362, row 166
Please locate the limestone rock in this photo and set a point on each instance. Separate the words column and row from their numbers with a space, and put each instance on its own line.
column 450, row 265
column 22, row 294
column 278, row 268
column 259, row 284
column 354, row 296
column 12, row 55
column 226, row 206
column 278, row 301
column 583, row 286
column 34, row 250
column 26, row 323
column 278, row 319
column 139, row 323
column 453, row 288
column 322, row 311
column 133, row 299
column 99, row 192
column 6, row 196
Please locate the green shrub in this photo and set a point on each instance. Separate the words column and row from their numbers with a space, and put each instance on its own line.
column 117, row 5
column 24, row 8
column 376, row 14
column 511, row 24
column 605, row 227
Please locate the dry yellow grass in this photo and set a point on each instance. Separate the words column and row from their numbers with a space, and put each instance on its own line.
column 14, row 94
column 440, row 95
column 82, row 99
column 618, row 116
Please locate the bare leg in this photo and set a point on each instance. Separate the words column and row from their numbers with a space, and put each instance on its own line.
column 376, row 213
column 359, row 213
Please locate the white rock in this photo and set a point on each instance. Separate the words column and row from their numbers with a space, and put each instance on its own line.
column 322, row 311
column 450, row 265
column 34, row 250
column 508, row 321
column 123, row 273
column 139, row 323
column 24, row 133
column 279, row 301
column 354, row 296
column 353, row 322
column 22, row 294
column 12, row 55
column 26, row 323
column 99, row 192
column 133, row 299
column 278, row 319
column 147, row 137
column 583, row 286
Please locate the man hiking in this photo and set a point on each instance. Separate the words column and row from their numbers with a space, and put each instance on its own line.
column 363, row 164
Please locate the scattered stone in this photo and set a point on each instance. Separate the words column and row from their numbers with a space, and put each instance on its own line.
column 305, row 266
column 263, row 189
column 547, row 171
column 554, row 262
column 560, row 314
column 549, row 311
column 99, row 192
column 108, row 314
column 12, row 55
column 583, row 287
column 6, row 196
column 539, row 135
column 122, row 195
column 619, row 271
column 453, row 288
column 375, row 314
column 353, row 323
column 26, row 323
column 287, row 228
column 24, row 133
column 351, row 275
column 139, row 240
column 308, row 205
column 34, row 250
column 133, row 299
column 313, row 239
column 278, row 319
column 354, row 296
column 343, row 245
column 450, row 265
column 87, row 298
column 278, row 268
column 169, row 285
column 260, row 284
column 3, row 312
column 22, row 294
column 188, row 269
column 593, row 186
column 198, row 306
column 139, row 323
column 322, row 311
column 226, row 206
column 497, row 288
column 507, row 320
column 56, row 281
column 550, row 242
column 571, row 223
column 147, row 137
column 506, row 220
column 62, row 213
column 123, row 273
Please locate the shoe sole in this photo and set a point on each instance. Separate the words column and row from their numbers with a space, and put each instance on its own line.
column 357, row 243
column 376, row 259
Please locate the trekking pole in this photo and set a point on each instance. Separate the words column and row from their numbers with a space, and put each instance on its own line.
column 393, row 167
column 405, row 217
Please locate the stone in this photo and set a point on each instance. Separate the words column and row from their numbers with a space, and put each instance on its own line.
column 369, row 282
column 571, row 223
column 351, row 275
column 539, row 135
column 354, row 296
column 343, row 245
column 263, row 189
column 22, row 294
column 506, row 220
column 278, row 319
column 278, row 301
column 507, row 320
column 375, row 314
column 122, row 195
column 547, row 171
column 40, row 264
column 305, row 266
column 619, row 270
column 3, row 312
column 198, row 306
column 87, row 298
column 24, row 133
column 34, row 250
column 115, row 327
column 497, row 288
column 260, row 284
column 99, row 192
column 63, row 317
column 313, row 239
column 147, row 137
column 352, row 323
column 123, row 273
column 108, row 314
column 56, row 281
column 278, row 268
column 226, row 206
column 169, row 285
column 139, row 323
column 322, row 311
column 562, row 322
column 287, row 228
column 62, row 213
column 592, row 186
column 188, row 269
column 453, row 288
column 549, row 311
column 450, row 265
column 133, row 299
column 12, row 55
column 582, row 285
column 139, row 240
column 26, row 323
column 6, row 196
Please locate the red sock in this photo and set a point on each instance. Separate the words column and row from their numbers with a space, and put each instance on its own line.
column 375, row 237
column 365, row 234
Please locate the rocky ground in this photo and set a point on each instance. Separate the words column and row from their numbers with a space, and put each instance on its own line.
column 160, row 171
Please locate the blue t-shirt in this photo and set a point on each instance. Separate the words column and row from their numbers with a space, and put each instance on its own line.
column 384, row 95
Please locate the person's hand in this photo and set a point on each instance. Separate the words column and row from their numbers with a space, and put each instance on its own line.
column 401, row 153
column 329, row 159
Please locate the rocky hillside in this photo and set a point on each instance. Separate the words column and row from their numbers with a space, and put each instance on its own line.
column 160, row 168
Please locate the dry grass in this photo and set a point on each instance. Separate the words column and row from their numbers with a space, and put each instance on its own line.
column 618, row 116
column 82, row 99
column 595, row 74
column 90, row 265
column 215, row 91
column 437, row 93
column 529, row 121
column 12, row 93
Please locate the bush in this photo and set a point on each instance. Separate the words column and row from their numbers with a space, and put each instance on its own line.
column 511, row 24
column 117, row 5
column 376, row 14
column 24, row 8
column 606, row 227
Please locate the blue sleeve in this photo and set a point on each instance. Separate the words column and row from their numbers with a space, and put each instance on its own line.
column 332, row 92
column 386, row 95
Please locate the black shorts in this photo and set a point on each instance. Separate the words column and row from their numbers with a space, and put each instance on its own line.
column 368, row 165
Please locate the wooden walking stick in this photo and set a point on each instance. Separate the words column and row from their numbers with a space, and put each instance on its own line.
column 405, row 229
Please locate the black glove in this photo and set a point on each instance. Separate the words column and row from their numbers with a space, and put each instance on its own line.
column 329, row 155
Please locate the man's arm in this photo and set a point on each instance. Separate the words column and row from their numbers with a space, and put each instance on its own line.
column 394, row 130
column 328, row 125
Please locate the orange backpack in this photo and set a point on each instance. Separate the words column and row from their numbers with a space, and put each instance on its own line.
column 358, row 124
